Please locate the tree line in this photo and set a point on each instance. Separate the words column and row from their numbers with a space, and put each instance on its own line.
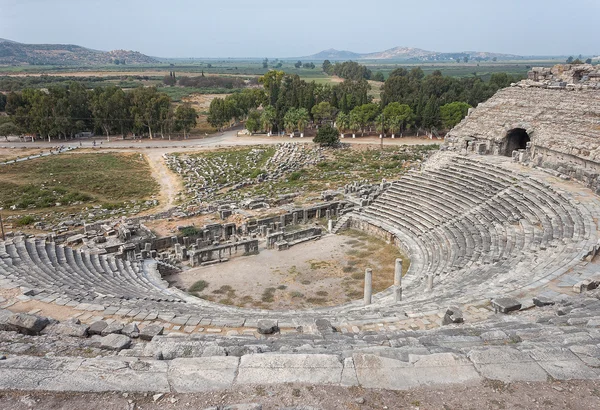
column 212, row 81
column 351, row 70
column 65, row 111
column 409, row 99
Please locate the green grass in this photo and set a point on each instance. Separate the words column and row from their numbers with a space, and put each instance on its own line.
column 76, row 178
column 198, row 286
column 361, row 164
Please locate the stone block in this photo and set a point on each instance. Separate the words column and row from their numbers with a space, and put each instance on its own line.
column 131, row 330
column 505, row 305
column 113, row 328
column 97, row 327
column 193, row 375
column 435, row 369
column 68, row 328
column 27, row 324
column 562, row 364
column 453, row 315
column 541, row 301
column 506, row 364
column 289, row 368
column 267, row 327
column 115, row 342
column 148, row 332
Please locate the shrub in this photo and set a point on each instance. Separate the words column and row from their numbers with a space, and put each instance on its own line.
column 26, row 220
column 327, row 136
column 268, row 295
column 198, row 286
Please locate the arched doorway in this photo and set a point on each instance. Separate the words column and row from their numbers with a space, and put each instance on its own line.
column 516, row 139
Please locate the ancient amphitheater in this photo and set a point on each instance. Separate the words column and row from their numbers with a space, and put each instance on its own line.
column 501, row 227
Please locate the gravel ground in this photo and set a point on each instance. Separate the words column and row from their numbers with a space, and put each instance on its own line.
column 576, row 395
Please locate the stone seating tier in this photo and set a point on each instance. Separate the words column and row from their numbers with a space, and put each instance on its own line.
column 479, row 228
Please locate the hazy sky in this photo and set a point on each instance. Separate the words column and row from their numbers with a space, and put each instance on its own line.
column 269, row 28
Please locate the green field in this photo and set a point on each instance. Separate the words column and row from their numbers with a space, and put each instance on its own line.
column 76, row 180
column 131, row 76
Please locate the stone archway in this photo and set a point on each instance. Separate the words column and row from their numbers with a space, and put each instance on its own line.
column 515, row 139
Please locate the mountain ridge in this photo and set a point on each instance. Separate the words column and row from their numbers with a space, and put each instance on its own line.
column 15, row 53
column 408, row 53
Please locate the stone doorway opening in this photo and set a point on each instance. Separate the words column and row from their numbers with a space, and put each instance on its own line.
column 516, row 139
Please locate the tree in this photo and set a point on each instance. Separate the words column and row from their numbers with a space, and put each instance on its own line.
column 378, row 76
column 266, row 63
column 170, row 79
column 289, row 121
column 298, row 64
column 322, row 111
column 2, row 102
column 267, row 118
column 326, row 66
column 453, row 113
column 253, row 121
column 466, row 59
column 588, row 61
column 364, row 114
column 185, row 118
column 431, row 113
column 217, row 113
column 570, row 60
column 150, row 110
column 9, row 128
column 399, row 116
column 110, row 109
column 343, row 122
column 327, row 136
column 302, row 118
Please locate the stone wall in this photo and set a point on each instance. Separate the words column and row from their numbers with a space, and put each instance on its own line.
column 560, row 116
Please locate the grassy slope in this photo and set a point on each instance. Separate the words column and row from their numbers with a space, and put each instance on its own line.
column 91, row 178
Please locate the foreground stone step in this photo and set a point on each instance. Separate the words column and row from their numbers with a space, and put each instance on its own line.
column 365, row 370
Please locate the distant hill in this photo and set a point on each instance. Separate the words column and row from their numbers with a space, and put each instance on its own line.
column 332, row 54
column 13, row 53
column 409, row 54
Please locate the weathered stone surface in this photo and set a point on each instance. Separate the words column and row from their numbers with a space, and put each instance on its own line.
column 267, row 327
column 349, row 373
column 453, row 315
column 97, row 327
column 115, row 342
column 4, row 316
column 84, row 375
column 506, row 364
column 435, row 369
column 68, row 328
column 548, row 114
column 148, row 332
column 27, row 324
column 506, row 305
column 541, row 301
column 203, row 374
column 131, row 330
column 114, row 327
column 562, row 364
column 289, row 368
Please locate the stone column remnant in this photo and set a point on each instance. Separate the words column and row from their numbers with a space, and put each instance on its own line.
column 368, row 286
column 398, row 281
column 429, row 283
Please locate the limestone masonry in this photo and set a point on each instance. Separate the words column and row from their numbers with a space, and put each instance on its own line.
column 557, row 110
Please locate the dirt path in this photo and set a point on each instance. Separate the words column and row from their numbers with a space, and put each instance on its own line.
column 580, row 395
column 170, row 184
